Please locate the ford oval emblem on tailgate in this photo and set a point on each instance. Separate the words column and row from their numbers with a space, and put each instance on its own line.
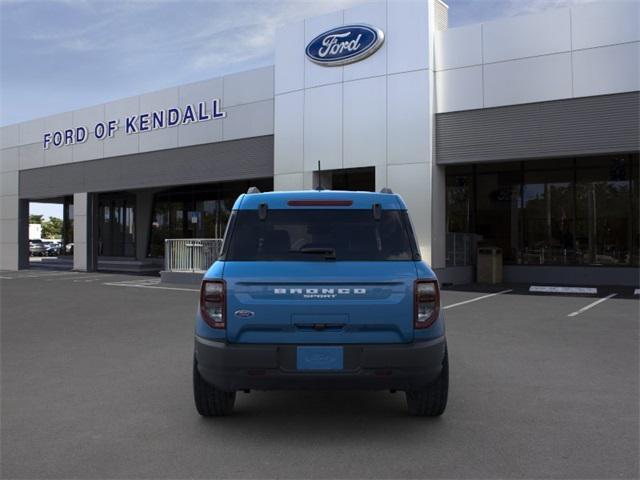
column 244, row 313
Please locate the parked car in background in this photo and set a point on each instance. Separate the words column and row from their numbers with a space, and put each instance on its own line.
column 37, row 248
column 68, row 248
column 53, row 248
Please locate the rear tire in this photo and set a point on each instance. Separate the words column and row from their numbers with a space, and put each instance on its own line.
column 432, row 401
column 210, row 402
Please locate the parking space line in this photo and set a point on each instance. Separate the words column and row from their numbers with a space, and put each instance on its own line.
column 151, row 286
column 591, row 305
column 476, row 299
column 6, row 278
column 551, row 289
column 46, row 275
column 83, row 279
column 79, row 278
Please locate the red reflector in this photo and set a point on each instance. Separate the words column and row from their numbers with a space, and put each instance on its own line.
column 320, row 203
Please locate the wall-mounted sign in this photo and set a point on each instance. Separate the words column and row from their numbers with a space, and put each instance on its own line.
column 143, row 122
column 343, row 45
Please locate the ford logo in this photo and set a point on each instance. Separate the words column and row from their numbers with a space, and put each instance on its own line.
column 344, row 45
column 244, row 313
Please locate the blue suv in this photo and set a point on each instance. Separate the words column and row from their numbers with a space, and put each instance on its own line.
column 320, row 290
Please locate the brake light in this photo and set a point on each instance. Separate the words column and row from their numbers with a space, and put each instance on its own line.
column 426, row 303
column 212, row 303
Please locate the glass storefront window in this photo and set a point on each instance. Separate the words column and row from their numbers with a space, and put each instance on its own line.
column 604, row 202
column 116, row 225
column 581, row 211
column 548, row 219
column 498, row 209
column 195, row 211
column 459, row 184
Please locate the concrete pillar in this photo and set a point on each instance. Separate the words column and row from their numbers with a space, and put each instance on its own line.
column 23, row 234
column 84, row 232
column 438, row 217
column 9, row 250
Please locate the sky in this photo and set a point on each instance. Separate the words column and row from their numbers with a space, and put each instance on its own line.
column 61, row 55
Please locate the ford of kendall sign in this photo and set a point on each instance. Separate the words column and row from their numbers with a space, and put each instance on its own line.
column 343, row 45
column 139, row 123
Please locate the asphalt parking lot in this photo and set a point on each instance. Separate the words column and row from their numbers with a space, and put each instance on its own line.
column 96, row 383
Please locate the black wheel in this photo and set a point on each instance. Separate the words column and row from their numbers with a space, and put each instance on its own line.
column 432, row 401
column 210, row 402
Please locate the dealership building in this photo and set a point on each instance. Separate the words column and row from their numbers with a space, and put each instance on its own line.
column 520, row 133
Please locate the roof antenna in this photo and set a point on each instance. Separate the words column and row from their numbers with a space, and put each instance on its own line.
column 319, row 177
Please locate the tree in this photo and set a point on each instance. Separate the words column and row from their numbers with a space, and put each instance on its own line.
column 52, row 228
column 36, row 219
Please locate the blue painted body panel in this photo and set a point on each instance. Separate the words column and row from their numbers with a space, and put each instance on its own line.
column 363, row 302
column 282, row 302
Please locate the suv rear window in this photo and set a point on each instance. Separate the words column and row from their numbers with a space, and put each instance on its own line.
column 319, row 234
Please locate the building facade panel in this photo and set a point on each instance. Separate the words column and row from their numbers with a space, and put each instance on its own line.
column 409, row 42
column 9, row 159
column 9, row 136
column 408, row 141
column 248, row 120
column 458, row 47
column 605, row 23
column 459, row 89
column 572, row 126
column 365, row 110
column 290, row 60
column 526, row 36
column 323, row 127
column 88, row 150
column 527, row 80
column 289, row 133
column 31, row 156
column 217, row 162
column 603, row 70
column 248, row 87
column 31, row 131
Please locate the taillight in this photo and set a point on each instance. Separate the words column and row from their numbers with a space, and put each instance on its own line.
column 212, row 300
column 426, row 303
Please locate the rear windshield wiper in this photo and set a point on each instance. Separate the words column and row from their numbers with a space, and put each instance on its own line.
column 329, row 253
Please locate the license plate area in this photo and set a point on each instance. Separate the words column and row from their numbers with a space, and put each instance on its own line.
column 320, row 358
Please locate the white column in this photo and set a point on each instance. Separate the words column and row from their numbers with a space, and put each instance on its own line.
column 9, row 246
column 81, row 231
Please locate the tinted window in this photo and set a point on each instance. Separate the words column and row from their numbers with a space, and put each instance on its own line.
column 308, row 234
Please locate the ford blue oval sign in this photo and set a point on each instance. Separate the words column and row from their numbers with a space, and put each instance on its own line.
column 343, row 45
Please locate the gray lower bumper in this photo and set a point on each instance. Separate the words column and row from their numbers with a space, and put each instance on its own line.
column 233, row 367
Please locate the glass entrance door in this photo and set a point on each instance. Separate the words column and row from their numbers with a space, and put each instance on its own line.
column 116, row 225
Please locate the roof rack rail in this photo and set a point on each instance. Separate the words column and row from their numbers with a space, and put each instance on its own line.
column 386, row 190
column 253, row 190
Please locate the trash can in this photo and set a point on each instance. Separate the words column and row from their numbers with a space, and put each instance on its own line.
column 489, row 265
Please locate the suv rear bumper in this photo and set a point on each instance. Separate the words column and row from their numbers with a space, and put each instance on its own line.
column 231, row 367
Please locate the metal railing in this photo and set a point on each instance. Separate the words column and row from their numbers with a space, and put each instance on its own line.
column 190, row 254
column 460, row 249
